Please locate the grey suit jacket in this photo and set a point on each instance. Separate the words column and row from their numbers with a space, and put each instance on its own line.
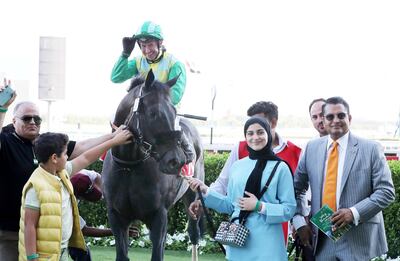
column 366, row 185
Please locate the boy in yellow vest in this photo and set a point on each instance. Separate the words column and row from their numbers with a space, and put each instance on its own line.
column 49, row 214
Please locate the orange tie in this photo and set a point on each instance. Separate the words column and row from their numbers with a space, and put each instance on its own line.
column 329, row 196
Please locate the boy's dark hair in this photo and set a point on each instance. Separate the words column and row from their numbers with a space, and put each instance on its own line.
column 314, row 101
column 49, row 143
column 336, row 100
column 269, row 109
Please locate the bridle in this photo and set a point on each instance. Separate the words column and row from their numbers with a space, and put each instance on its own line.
column 146, row 148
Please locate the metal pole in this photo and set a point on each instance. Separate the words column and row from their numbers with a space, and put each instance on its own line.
column 397, row 127
column 48, row 114
column 213, row 94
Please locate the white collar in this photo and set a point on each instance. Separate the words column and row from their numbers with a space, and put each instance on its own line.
column 281, row 144
column 342, row 141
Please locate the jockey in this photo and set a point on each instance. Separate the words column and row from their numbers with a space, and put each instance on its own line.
column 154, row 56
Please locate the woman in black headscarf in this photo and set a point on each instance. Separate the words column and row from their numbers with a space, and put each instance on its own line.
column 263, row 214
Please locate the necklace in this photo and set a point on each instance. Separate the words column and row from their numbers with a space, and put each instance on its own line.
column 35, row 161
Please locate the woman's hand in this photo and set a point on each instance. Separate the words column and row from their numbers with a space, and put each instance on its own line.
column 196, row 183
column 248, row 203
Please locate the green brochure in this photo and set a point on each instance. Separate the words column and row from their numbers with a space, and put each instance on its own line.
column 322, row 220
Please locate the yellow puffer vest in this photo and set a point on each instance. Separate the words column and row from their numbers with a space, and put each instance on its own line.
column 48, row 232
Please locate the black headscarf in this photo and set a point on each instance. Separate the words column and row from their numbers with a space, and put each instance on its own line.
column 262, row 156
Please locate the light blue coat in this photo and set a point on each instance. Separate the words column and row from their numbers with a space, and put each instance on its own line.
column 266, row 240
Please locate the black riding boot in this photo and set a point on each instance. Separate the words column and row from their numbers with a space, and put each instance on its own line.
column 187, row 148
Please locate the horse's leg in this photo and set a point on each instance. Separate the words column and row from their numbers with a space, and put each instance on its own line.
column 119, row 227
column 158, row 234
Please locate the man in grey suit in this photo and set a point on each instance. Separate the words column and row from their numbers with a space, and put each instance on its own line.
column 363, row 187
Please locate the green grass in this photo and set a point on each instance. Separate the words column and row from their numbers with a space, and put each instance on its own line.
column 108, row 254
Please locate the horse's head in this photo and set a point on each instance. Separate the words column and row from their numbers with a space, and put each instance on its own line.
column 148, row 112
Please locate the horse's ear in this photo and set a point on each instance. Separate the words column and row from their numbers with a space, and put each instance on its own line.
column 172, row 82
column 149, row 79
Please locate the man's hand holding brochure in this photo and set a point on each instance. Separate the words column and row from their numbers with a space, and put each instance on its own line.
column 322, row 220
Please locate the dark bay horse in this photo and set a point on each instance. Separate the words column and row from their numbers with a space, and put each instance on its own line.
column 140, row 179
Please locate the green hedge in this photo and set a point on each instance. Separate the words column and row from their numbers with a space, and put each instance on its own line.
column 392, row 214
column 95, row 213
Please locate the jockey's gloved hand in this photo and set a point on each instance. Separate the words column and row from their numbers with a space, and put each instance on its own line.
column 128, row 43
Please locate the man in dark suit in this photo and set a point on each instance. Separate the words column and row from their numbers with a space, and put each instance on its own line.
column 351, row 175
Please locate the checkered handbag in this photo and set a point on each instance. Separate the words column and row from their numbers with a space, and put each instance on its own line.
column 232, row 234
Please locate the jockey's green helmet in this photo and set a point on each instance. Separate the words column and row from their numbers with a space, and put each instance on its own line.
column 149, row 31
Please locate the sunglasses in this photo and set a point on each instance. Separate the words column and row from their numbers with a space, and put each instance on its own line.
column 28, row 119
column 340, row 116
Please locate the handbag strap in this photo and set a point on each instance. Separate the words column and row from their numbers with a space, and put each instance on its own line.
column 262, row 191
column 269, row 180
column 209, row 220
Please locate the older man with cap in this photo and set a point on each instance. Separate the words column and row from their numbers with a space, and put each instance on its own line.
column 87, row 186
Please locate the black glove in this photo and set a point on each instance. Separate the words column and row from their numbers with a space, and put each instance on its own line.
column 128, row 43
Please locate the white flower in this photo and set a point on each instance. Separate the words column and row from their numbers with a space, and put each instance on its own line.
column 141, row 244
column 112, row 242
column 202, row 242
column 169, row 240
column 144, row 230
column 179, row 237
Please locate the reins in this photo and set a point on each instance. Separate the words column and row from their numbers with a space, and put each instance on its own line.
column 145, row 147
column 133, row 119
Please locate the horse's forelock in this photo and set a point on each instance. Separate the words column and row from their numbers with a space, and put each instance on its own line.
column 136, row 82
